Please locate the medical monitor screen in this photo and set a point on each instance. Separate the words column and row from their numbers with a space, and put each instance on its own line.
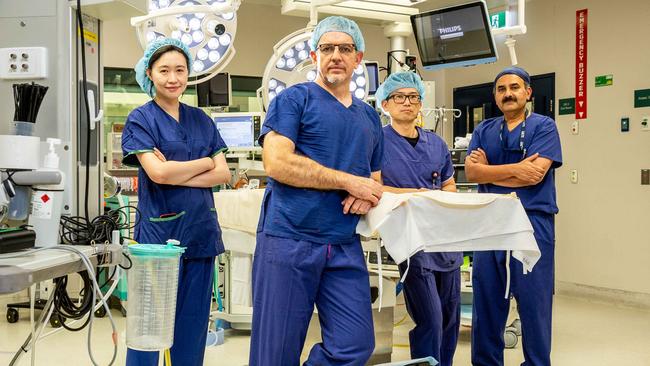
column 373, row 77
column 236, row 131
column 454, row 36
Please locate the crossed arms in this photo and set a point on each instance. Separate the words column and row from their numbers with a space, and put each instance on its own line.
column 527, row 172
column 200, row 173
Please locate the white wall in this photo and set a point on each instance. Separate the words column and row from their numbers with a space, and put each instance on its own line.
column 603, row 228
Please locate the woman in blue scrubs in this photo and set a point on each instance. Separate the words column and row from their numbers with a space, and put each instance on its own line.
column 181, row 155
column 415, row 159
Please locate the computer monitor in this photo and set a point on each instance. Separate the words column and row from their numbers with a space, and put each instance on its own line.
column 215, row 92
column 454, row 36
column 373, row 76
column 238, row 130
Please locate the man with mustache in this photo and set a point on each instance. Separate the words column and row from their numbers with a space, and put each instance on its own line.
column 322, row 152
column 517, row 152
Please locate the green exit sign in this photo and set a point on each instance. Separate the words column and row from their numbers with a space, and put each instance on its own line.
column 498, row 20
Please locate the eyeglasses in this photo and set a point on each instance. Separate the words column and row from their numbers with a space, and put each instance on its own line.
column 401, row 98
column 344, row 48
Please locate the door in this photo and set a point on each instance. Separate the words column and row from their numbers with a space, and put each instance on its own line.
column 476, row 102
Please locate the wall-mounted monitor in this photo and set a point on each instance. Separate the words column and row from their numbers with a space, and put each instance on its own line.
column 216, row 92
column 238, row 130
column 455, row 36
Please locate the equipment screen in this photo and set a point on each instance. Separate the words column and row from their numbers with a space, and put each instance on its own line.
column 454, row 36
column 236, row 131
column 373, row 77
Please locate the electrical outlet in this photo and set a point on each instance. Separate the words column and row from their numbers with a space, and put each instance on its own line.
column 23, row 63
column 574, row 127
column 645, row 123
column 573, row 176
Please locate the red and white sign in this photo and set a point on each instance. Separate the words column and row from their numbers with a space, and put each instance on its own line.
column 581, row 64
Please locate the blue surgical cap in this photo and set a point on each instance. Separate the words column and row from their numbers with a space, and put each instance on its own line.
column 399, row 80
column 338, row 24
column 514, row 70
column 141, row 67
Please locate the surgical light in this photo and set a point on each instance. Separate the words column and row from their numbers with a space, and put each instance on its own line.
column 207, row 27
column 290, row 64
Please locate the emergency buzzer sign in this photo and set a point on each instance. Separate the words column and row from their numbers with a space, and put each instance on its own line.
column 581, row 64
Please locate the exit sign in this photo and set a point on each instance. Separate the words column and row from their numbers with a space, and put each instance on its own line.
column 498, row 20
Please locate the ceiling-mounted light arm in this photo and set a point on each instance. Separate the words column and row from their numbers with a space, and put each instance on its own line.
column 520, row 28
column 313, row 10
column 219, row 8
column 510, row 43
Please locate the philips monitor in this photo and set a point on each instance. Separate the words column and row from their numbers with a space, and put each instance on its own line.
column 215, row 92
column 238, row 130
column 454, row 36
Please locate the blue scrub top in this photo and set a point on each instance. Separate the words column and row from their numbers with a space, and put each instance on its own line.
column 188, row 214
column 426, row 165
column 324, row 130
column 541, row 136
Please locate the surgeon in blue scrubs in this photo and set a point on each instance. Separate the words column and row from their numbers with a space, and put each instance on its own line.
column 414, row 160
column 517, row 152
column 180, row 153
column 323, row 154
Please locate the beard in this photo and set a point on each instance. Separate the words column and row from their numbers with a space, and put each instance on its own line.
column 334, row 80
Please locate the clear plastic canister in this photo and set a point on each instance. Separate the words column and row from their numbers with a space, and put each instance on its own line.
column 152, row 287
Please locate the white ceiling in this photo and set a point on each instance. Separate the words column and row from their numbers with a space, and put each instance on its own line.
column 429, row 4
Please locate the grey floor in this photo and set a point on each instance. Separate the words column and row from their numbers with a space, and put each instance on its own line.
column 584, row 333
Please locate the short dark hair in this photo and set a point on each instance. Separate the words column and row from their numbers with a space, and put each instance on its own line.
column 164, row 49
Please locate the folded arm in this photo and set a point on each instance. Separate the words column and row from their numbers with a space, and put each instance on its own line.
column 173, row 172
column 527, row 172
column 210, row 178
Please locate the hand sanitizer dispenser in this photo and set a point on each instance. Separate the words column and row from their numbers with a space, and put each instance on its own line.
column 47, row 203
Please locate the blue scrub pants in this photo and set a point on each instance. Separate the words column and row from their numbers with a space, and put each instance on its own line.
column 433, row 302
column 289, row 277
column 534, row 294
column 192, row 312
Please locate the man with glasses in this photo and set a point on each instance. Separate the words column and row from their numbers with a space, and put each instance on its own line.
column 322, row 153
column 517, row 152
column 415, row 159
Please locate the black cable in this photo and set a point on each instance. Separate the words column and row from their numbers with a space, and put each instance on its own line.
column 128, row 258
column 82, row 44
column 109, row 274
column 66, row 308
column 77, row 230
column 390, row 58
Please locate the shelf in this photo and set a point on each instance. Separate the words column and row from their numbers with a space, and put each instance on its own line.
column 123, row 170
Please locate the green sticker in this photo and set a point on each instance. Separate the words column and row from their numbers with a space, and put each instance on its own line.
column 604, row 80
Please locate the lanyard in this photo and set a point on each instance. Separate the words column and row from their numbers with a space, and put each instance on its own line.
column 522, row 135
